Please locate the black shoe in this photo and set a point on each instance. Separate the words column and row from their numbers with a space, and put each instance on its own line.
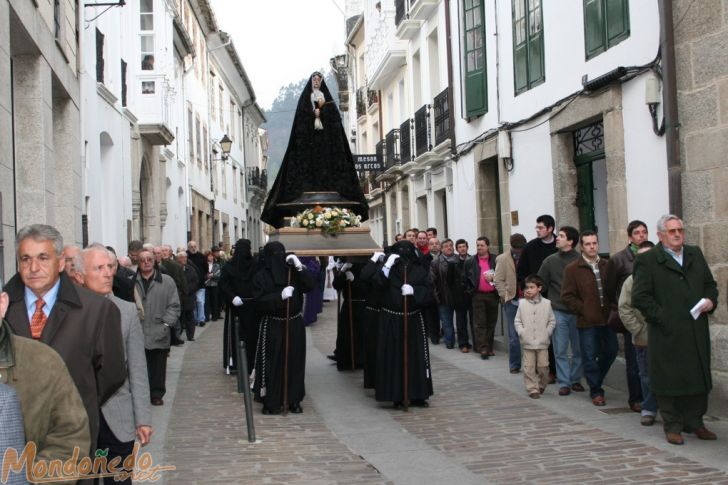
column 271, row 411
column 397, row 404
column 484, row 355
column 450, row 346
column 331, row 357
column 420, row 403
column 201, row 324
column 190, row 339
column 178, row 342
column 435, row 341
column 296, row 408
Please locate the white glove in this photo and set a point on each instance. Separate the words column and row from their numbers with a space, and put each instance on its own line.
column 375, row 257
column 346, row 267
column 407, row 290
column 287, row 292
column 237, row 301
column 349, row 276
column 391, row 260
column 293, row 259
column 331, row 265
column 385, row 270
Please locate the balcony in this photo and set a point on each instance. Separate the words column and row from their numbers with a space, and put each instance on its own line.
column 407, row 28
column 152, row 96
column 361, row 105
column 405, row 141
column 423, row 133
column 385, row 53
column 256, row 183
column 443, row 130
column 372, row 102
column 422, row 9
column 391, row 149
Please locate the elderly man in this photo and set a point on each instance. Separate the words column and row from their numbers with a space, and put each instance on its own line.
column 161, row 311
column 83, row 327
column 127, row 414
column 675, row 291
column 69, row 252
column 187, row 300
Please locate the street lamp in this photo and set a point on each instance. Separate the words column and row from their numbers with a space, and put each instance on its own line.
column 226, row 145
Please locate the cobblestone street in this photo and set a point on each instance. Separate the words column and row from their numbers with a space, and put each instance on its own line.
column 481, row 427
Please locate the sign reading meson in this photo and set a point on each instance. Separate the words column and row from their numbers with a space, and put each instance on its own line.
column 368, row 163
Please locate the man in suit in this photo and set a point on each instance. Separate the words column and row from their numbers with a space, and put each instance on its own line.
column 127, row 414
column 84, row 328
column 11, row 428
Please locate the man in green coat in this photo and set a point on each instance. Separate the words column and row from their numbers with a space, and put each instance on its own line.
column 669, row 282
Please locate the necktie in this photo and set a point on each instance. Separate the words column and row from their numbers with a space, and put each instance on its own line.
column 39, row 319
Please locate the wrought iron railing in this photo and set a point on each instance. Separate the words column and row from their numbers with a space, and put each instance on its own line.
column 405, row 141
column 361, row 105
column 257, row 178
column 423, row 135
column 372, row 98
column 441, row 106
column 391, row 146
column 380, row 149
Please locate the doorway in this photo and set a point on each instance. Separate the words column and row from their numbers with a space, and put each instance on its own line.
column 591, row 181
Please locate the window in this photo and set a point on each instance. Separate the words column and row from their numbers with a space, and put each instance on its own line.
column 222, row 123
column 235, row 184
column 99, row 56
column 198, row 132
column 606, row 24
column 223, row 178
column 233, row 112
column 190, row 134
column 528, row 56
column 213, row 106
column 205, row 151
column 476, row 88
column 123, row 83
column 146, row 27
column 241, row 125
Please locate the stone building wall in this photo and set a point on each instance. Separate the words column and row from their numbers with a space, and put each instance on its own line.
column 701, row 50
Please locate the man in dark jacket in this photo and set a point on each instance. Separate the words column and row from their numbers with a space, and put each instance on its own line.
column 619, row 267
column 675, row 291
column 462, row 301
column 200, row 261
column 582, row 291
column 83, row 327
column 187, row 300
column 444, row 274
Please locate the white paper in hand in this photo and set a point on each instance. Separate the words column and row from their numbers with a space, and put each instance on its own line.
column 697, row 309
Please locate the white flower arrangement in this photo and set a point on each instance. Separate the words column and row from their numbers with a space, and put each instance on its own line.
column 328, row 220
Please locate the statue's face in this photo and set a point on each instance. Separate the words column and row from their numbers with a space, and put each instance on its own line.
column 316, row 82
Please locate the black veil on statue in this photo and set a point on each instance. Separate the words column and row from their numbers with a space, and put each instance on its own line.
column 318, row 167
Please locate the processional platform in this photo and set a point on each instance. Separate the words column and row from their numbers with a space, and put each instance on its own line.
column 351, row 241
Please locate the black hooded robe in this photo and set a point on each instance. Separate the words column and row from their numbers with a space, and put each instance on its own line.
column 390, row 338
column 236, row 279
column 359, row 290
column 268, row 284
column 315, row 161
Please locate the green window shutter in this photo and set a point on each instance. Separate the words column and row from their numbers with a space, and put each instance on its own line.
column 594, row 27
column 535, row 43
column 476, row 88
column 520, row 46
column 617, row 21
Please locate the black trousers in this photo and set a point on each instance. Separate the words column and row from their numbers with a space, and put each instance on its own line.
column 189, row 322
column 212, row 302
column 157, row 371
column 122, row 449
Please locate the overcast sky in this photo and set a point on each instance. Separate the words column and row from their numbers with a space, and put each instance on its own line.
column 282, row 41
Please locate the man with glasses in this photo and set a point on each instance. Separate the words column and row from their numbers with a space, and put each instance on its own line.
column 675, row 291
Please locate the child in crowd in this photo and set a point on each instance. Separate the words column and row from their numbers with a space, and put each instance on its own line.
column 535, row 321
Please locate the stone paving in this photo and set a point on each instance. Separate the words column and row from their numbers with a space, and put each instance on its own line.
column 480, row 428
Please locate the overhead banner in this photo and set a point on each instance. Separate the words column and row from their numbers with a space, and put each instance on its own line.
column 368, row 163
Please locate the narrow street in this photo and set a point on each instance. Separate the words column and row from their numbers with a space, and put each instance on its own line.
column 481, row 427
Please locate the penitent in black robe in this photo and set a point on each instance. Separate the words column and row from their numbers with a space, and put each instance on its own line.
column 315, row 161
column 268, row 284
column 390, row 338
column 354, row 292
column 370, row 325
column 236, row 279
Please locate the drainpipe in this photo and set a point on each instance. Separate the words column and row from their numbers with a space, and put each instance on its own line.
column 383, row 194
column 450, row 96
column 669, row 100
